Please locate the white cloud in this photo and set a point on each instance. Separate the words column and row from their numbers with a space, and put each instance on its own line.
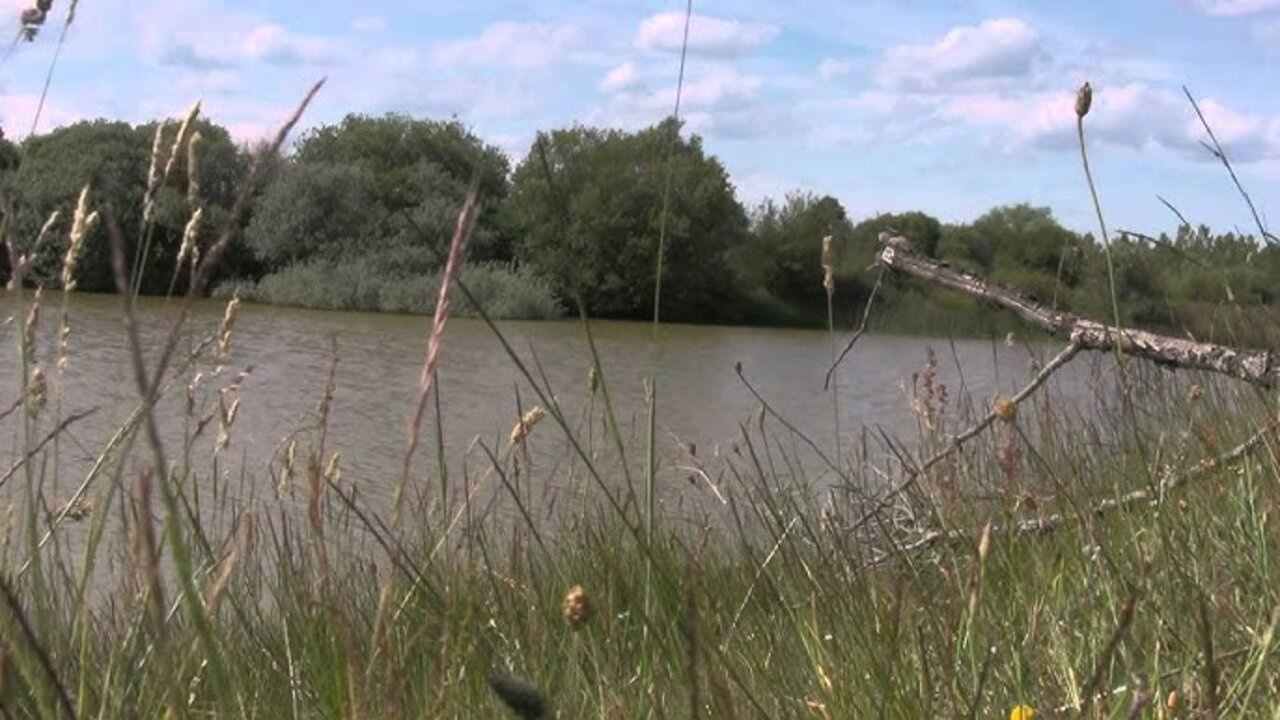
column 1000, row 48
column 622, row 77
column 369, row 23
column 707, row 35
column 1135, row 115
column 267, row 43
column 1236, row 8
column 18, row 109
column 830, row 68
column 511, row 44
column 718, row 100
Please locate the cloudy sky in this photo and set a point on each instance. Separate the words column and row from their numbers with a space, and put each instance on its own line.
column 935, row 105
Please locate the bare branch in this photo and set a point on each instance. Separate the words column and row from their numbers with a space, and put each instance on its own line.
column 1254, row 367
column 1050, row 523
column 862, row 328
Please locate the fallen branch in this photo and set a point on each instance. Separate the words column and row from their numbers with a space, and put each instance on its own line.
column 1254, row 367
column 1049, row 523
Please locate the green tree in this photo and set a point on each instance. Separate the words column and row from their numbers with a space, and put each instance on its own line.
column 783, row 254
column 55, row 167
column 396, row 148
column 590, row 220
column 1026, row 236
column 113, row 158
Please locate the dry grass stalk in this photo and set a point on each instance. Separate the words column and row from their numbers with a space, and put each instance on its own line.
column 453, row 264
column 153, row 172
column 37, row 392
column 225, row 328
column 525, row 424
column 31, row 324
column 83, row 223
column 193, row 170
column 828, row 272
column 189, row 249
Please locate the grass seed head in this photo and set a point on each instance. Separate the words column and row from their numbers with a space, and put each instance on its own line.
column 525, row 425
column 1084, row 99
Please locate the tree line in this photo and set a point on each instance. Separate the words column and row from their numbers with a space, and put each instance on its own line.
column 356, row 217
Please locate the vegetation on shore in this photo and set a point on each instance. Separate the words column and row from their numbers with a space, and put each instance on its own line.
column 360, row 210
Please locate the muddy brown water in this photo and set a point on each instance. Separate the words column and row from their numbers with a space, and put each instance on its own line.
column 702, row 402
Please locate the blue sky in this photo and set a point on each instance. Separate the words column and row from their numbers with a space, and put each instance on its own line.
column 945, row 107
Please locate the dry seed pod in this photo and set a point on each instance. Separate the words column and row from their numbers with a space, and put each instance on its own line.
column 1084, row 98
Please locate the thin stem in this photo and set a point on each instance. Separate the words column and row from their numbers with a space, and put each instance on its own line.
column 1106, row 241
column 671, row 151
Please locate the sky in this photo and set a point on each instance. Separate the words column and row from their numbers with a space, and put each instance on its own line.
column 946, row 107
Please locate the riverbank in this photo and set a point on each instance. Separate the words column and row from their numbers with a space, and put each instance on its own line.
column 774, row 600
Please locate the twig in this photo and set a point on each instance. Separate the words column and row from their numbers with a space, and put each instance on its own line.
column 1104, row 662
column 1050, row 523
column 1221, row 154
column 914, row 474
column 862, row 328
column 62, row 426
column 1254, row 367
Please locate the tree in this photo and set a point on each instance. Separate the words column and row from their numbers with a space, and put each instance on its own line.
column 783, row 254
column 55, row 167
column 396, row 148
column 1028, row 236
column 112, row 158
column 590, row 219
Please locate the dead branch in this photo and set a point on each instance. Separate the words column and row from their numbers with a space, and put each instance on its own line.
column 1252, row 366
column 862, row 328
column 1049, row 523
column 61, row 427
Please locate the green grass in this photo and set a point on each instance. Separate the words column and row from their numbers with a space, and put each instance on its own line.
column 768, row 606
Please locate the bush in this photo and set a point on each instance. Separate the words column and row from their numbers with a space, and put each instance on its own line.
column 503, row 290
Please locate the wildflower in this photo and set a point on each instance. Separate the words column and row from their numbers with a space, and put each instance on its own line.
column 526, row 423
column 576, row 607
column 1022, row 712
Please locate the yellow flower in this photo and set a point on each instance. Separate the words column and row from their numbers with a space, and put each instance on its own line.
column 1022, row 712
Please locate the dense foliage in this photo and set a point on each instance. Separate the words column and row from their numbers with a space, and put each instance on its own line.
column 358, row 215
